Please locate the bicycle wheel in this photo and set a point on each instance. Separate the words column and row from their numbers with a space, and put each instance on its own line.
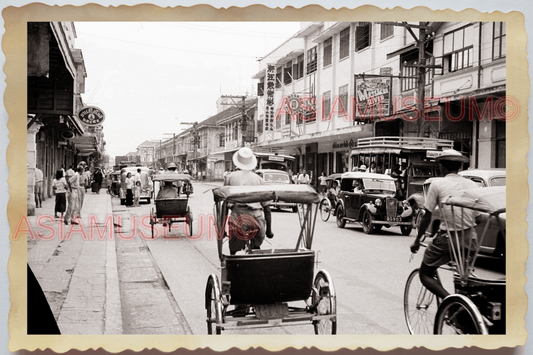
column 419, row 305
column 458, row 315
column 213, row 305
column 325, row 209
column 326, row 301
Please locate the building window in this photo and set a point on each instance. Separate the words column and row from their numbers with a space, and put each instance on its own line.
column 386, row 30
column 343, row 95
column 326, row 109
column 235, row 130
column 363, row 35
column 287, row 73
column 260, row 124
column 221, row 140
column 458, row 50
column 498, row 40
column 261, row 87
column 344, row 45
column 409, row 73
column 278, row 123
column 312, row 60
column 298, row 68
column 278, row 77
column 328, row 46
column 287, row 119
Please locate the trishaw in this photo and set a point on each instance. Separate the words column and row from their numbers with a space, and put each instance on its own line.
column 329, row 201
column 274, row 287
column 114, row 183
column 172, row 209
column 478, row 304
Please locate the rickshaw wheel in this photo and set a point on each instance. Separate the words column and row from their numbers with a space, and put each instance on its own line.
column 326, row 303
column 213, row 305
column 419, row 305
column 325, row 209
column 368, row 226
column 152, row 222
column 341, row 222
column 458, row 315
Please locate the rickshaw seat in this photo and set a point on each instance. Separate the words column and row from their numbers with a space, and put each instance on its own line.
column 171, row 206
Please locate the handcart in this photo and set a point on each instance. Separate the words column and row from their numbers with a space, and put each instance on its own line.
column 270, row 287
column 175, row 208
column 477, row 305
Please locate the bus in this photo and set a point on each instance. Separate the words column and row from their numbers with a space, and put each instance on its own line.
column 274, row 160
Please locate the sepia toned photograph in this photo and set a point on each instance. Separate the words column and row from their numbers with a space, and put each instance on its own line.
column 314, row 179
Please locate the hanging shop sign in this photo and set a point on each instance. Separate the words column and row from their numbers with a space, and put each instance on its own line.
column 270, row 83
column 373, row 96
column 91, row 115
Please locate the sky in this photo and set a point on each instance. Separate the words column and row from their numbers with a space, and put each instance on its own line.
column 149, row 77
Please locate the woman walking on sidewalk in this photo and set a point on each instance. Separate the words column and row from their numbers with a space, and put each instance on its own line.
column 72, row 196
column 60, row 187
column 129, row 190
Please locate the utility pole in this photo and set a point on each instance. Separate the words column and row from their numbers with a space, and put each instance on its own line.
column 173, row 144
column 421, row 78
column 196, row 141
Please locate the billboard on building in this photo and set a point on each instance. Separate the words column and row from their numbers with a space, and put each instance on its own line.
column 373, row 96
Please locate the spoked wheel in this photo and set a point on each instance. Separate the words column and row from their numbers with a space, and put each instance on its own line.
column 325, row 209
column 326, row 303
column 458, row 315
column 213, row 305
column 368, row 225
column 111, row 191
column 419, row 305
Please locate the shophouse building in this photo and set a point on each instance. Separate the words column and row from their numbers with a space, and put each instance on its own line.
column 334, row 83
column 56, row 73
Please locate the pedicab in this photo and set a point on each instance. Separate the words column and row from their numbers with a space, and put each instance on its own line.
column 175, row 208
column 269, row 287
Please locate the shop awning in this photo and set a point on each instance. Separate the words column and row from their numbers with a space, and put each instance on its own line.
column 86, row 145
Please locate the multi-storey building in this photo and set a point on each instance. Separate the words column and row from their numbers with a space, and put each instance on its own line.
column 56, row 79
column 334, row 83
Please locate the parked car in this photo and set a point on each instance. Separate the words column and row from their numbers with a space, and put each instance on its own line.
column 493, row 244
column 370, row 199
column 486, row 177
column 146, row 189
column 272, row 176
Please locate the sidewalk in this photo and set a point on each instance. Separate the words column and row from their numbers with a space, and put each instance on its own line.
column 78, row 274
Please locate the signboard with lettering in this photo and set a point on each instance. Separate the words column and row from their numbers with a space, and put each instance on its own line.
column 91, row 115
column 270, row 84
column 275, row 158
column 373, row 96
column 433, row 154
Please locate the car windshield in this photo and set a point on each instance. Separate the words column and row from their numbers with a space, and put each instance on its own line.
column 377, row 184
column 497, row 181
column 423, row 171
column 276, row 177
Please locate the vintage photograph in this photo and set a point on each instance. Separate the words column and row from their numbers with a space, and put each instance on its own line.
column 268, row 178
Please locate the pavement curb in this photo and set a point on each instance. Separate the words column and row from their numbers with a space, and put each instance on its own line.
column 113, row 306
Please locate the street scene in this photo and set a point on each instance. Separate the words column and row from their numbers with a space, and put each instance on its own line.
column 327, row 178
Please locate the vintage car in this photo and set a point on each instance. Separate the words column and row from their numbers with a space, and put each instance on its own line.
column 370, row 199
column 486, row 177
column 493, row 244
column 272, row 176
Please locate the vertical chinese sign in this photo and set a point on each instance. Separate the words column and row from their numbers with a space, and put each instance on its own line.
column 373, row 96
column 269, row 97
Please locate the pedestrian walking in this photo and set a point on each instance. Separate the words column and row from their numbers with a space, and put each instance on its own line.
column 60, row 187
column 136, row 193
column 129, row 190
column 39, row 177
column 72, row 196
column 80, row 170
column 323, row 183
column 98, row 178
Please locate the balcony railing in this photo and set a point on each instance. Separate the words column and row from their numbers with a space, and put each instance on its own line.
column 405, row 142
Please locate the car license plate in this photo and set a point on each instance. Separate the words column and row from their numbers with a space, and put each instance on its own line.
column 394, row 219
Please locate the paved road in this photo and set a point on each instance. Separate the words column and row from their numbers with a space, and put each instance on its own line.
column 369, row 271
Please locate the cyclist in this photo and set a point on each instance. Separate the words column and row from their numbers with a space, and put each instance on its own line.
column 437, row 252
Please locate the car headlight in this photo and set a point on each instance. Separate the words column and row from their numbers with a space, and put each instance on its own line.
column 378, row 202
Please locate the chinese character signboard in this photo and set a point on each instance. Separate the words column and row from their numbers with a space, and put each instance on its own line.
column 373, row 96
column 91, row 115
column 270, row 83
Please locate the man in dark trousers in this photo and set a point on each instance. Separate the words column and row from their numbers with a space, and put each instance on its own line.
column 97, row 178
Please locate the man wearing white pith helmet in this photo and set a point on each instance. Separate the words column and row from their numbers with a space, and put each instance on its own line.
column 438, row 250
column 245, row 161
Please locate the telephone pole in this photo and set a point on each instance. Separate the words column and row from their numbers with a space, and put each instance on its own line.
column 243, row 121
